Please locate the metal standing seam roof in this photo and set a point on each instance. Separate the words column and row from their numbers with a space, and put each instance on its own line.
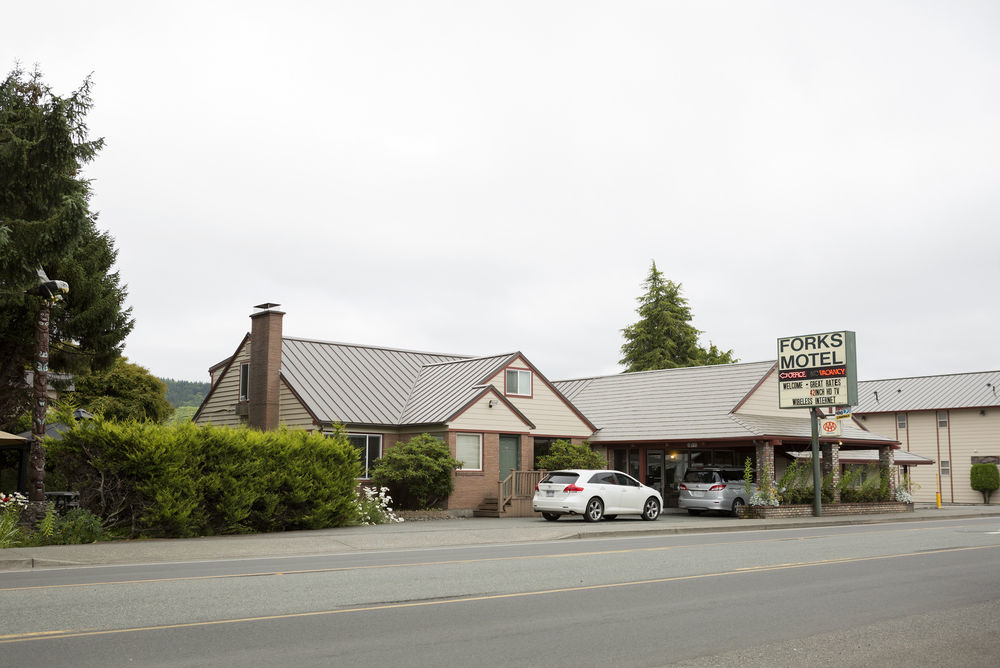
column 900, row 457
column 798, row 427
column 927, row 393
column 686, row 404
column 443, row 388
column 354, row 384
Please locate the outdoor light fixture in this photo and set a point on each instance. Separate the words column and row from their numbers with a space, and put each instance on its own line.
column 492, row 403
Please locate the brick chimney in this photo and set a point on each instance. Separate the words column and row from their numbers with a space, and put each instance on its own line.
column 265, row 366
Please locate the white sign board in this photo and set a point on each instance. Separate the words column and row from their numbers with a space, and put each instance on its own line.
column 829, row 426
column 817, row 370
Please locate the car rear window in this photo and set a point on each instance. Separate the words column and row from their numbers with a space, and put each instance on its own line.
column 560, row 478
column 699, row 476
column 733, row 475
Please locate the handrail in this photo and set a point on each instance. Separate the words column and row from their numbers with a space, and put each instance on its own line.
column 519, row 484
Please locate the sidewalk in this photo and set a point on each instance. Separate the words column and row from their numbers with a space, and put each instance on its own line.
column 430, row 534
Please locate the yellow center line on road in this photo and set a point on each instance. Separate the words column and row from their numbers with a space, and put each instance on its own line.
column 55, row 635
column 446, row 562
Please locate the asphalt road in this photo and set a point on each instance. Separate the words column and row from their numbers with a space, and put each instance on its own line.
column 916, row 593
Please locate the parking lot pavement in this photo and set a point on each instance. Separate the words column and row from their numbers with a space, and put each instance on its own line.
column 432, row 533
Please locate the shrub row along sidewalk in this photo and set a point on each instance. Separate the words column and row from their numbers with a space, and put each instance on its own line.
column 184, row 480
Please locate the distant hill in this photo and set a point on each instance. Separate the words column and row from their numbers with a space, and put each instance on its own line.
column 185, row 392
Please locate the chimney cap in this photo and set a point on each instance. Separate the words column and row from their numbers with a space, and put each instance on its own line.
column 266, row 305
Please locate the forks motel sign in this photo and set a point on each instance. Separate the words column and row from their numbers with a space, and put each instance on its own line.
column 817, row 370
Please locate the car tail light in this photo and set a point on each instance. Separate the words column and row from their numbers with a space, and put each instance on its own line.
column 684, row 487
column 716, row 488
column 536, row 486
column 573, row 488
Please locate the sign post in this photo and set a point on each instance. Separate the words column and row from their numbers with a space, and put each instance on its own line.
column 816, row 371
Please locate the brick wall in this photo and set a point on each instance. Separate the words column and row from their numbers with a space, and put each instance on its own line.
column 829, row 509
column 471, row 487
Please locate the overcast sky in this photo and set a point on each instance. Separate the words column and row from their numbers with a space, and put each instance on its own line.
column 483, row 177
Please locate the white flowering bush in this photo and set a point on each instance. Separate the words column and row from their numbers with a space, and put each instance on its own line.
column 759, row 498
column 374, row 507
column 11, row 506
column 903, row 496
column 764, row 494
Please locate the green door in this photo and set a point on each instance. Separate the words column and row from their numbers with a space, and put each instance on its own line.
column 510, row 455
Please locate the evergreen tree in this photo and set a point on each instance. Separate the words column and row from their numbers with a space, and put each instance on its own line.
column 664, row 338
column 125, row 391
column 45, row 222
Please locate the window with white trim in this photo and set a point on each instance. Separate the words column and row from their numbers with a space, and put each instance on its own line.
column 244, row 382
column 370, row 447
column 518, row 382
column 942, row 419
column 901, row 420
column 945, row 468
column 469, row 451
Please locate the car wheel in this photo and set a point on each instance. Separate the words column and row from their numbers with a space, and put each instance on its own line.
column 651, row 509
column 551, row 517
column 610, row 517
column 694, row 511
column 737, row 504
column 594, row 511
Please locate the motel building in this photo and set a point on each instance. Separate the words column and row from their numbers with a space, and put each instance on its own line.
column 655, row 425
column 499, row 412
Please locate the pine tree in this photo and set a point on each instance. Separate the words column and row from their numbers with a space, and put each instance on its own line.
column 46, row 222
column 664, row 338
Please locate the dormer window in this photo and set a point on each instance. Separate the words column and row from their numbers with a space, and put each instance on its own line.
column 518, row 382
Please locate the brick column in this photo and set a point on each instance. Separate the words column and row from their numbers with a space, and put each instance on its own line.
column 831, row 466
column 886, row 462
column 765, row 460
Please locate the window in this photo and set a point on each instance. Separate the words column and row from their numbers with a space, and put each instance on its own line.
column 945, row 468
column 469, row 451
column 942, row 419
column 626, row 481
column 605, row 478
column 901, row 420
column 370, row 447
column 518, row 382
column 244, row 382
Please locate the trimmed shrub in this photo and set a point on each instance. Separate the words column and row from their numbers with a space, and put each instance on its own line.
column 873, row 489
column 418, row 473
column 186, row 480
column 566, row 455
column 985, row 478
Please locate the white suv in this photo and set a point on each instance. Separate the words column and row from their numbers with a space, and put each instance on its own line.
column 595, row 495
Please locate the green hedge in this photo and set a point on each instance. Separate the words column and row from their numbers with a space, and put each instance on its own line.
column 186, row 480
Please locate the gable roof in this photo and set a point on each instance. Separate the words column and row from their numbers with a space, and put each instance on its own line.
column 443, row 389
column 689, row 404
column 350, row 383
column 927, row 393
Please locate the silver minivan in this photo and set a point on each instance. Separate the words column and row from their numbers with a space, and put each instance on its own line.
column 721, row 489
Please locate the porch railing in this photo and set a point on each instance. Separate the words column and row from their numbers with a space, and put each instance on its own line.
column 518, row 485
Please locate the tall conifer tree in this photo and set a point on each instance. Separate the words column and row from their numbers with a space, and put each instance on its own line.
column 46, row 222
column 664, row 338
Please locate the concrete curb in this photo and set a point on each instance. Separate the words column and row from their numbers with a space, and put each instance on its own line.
column 441, row 533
